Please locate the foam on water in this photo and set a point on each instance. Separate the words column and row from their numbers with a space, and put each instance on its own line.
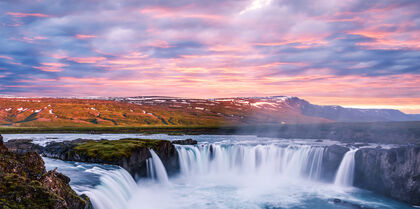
column 114, row 191
column 156, row 170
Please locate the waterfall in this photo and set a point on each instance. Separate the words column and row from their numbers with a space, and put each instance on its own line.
column 114, row 191
column 156, row 170
column 345, row 173
column 254, row 169
column 289, row 161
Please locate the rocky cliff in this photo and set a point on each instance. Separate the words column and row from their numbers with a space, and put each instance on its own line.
column 391, row 172
column 331, row 161
column 130, row 154
column 24, row 183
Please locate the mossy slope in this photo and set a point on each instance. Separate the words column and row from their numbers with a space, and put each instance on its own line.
column 111, row 150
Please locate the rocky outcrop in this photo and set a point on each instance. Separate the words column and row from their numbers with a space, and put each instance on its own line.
column 24, row 183
column 347, row 205
column 331, row 161
column 392, row 172
column 62, row 150
column 58, row 184
column 130, row 154
column 22, row 146
column 185, row 142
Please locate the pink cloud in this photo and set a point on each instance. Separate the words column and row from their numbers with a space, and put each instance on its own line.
column 84, row 36
column 18, row 14
column 184, row 12
column 5, row 57
column 86, row 60
column 51, row 67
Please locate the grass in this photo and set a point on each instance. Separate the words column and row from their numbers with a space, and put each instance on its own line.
column 172, row 130
column 110, row 150
column 56, row 113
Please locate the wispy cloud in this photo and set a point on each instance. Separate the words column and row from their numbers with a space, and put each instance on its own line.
column 19, row 14
column 84, row 36
column 337, row 49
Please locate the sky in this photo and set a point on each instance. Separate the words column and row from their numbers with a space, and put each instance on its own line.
column 355, row 53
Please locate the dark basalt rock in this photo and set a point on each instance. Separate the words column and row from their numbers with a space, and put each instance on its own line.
column 22, row 146
column 392, row 172
column 24, row 183
column 185, row 142
column 169, row 156
column 331, row 161
column 62, row 150
column 133, row 161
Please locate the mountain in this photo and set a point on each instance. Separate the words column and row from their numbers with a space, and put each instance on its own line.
column 341, row 114
column 173, row 111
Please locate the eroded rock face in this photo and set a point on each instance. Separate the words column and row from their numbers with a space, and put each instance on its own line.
column 24, row 183
column 391, row 172
column 331, row 161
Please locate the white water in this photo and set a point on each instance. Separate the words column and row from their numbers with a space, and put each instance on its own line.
column 156, row 170
column 261, row 160
column 345, row 173
column 238, row 174
column 114, row 191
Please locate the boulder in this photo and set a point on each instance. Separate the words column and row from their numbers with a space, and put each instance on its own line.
column 347, row 205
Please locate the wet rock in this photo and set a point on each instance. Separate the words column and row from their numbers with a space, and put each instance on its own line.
column 62, row 150
column 331, row 161
column 347, row 205
column 23, row 146
column 392, row 172
column 24, row 183
column 185, row 142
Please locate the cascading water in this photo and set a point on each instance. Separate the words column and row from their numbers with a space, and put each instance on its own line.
column 114, row 191
column 345, row 172
column 288, row 161
column 226, row 172
column 222, row 175
column 156, row 170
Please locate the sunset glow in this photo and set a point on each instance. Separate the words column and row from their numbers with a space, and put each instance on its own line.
column 352, row 53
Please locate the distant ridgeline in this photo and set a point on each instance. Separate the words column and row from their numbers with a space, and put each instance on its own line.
column 180, row 112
